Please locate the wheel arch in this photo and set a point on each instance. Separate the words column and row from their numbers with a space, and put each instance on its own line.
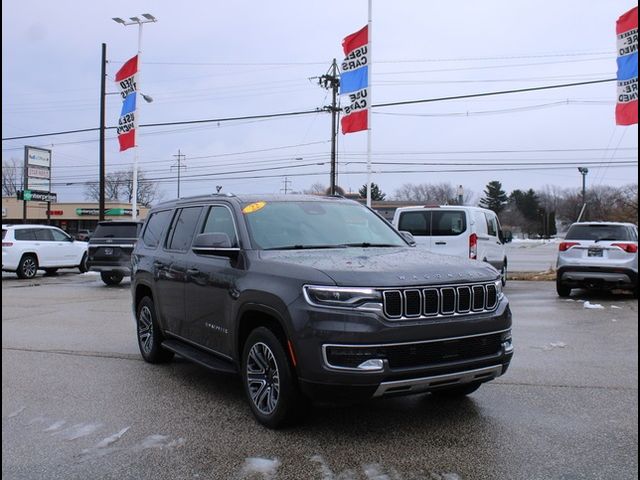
column 252, row 316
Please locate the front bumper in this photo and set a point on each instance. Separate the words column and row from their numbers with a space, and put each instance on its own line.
column 317, row 328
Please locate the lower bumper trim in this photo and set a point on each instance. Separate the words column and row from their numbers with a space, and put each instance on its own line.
column 415, row 385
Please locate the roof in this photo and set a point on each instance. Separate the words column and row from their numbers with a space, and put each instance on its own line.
column 28, row 225
column 626, row 224
column 451, row 207
column 250, row 198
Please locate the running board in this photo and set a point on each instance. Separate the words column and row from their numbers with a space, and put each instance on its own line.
column 200, row 357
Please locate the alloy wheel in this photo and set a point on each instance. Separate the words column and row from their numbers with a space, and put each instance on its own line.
column 145, row 329
column 263, row 378
column 29, row 267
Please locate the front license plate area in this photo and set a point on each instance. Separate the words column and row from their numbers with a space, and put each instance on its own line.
column 108, row 251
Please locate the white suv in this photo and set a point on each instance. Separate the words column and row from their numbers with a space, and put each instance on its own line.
column 598, row 255
column 29, row 248
column 468, row 232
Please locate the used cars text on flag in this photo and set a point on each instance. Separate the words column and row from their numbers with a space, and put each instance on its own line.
column 627, row 43
column 354, row 81
column 126, row 79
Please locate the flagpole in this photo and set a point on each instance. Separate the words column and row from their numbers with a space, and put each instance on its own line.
column 134, row 187
column 369, row 109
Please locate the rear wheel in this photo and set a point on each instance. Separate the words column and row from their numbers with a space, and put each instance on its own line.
column 149, row 335
column 28, row 266
column 83, row 264
column 563, row 290
column 503, row 273
column 269, row 380
column 111, row 278
column 459, row 391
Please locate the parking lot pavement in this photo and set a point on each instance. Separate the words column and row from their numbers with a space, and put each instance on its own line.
column 531, row 256
column 78, row 402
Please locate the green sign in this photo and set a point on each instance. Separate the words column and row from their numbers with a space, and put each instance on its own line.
column 113, row 212
column 26, row 195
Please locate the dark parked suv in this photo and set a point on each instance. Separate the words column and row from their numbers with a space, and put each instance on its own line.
column 313, row 298
column 110, row 249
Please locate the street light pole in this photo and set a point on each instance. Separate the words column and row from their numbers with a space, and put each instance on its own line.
column 583, row 171
column 148, row 18
column 103, row 96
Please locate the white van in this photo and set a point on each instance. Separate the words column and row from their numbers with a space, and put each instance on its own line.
column 470, row 232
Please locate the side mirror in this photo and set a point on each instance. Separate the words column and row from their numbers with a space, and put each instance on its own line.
column 214, row 244
column 506, row 236
column 408, row 236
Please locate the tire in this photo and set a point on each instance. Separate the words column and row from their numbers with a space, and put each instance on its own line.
column 563, row 290
column 50, row 271
column 111, row 278
column 83, row 264
column 149, row 335
column 503, row 273
column 270, row 381
column 456, row 392
column 28, row 266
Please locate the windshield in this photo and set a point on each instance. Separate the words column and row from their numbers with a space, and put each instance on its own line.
column 317, row 224
column 598, row 232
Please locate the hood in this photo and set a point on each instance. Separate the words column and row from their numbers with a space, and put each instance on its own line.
column 383, row 267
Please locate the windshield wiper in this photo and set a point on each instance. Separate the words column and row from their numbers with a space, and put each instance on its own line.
column 304, row 247
column 367, row 245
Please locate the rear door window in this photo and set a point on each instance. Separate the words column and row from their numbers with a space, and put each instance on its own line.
column 598, row 232
column 155, row 227
column 4, row 233
column 182, row 229
column 492, row 225
column 447, row 223
column 44, row 234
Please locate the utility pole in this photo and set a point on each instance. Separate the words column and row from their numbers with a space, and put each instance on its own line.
column 103, row 96
column 332, row 81
column 179, row 166
column 583, row 171
column 286, row 182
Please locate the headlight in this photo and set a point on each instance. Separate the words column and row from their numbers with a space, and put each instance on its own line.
column 340, row 296
column 498, row 284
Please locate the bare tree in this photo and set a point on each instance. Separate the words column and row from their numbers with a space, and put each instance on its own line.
column 11, row 177
column 316, row 188
column 437, row 193
column 119, row 186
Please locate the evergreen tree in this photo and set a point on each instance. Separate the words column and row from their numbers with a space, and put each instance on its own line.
column 376, row 193
column 494, row 197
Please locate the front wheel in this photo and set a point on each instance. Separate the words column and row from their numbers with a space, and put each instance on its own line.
column 269, row 380
column 149, row 334
column 503, row 273
column 111, row 278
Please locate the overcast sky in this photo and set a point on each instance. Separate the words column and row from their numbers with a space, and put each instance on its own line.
column 214, row 59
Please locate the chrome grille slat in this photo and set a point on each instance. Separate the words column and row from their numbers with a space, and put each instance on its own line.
column 442, row 301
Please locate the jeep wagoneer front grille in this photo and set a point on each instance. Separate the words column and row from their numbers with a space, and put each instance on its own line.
column 407, row 303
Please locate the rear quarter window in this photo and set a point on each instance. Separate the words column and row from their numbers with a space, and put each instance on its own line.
column 416, row 223
column 116, row 231
column 24, row 234
column 448, row 223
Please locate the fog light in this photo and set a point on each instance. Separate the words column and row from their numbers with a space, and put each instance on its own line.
column 372, row 364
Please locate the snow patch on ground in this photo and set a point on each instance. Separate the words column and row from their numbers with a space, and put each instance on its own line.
column 16, row 413
column 266, row 468
column 80, row 430
column 55, row 426
column 616, row 307
column 593, row 306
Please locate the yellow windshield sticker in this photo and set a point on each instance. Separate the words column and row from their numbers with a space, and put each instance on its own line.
column 253, row 207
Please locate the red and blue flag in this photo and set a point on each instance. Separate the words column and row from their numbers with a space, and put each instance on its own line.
column 627, row 43
column 126, row 79
column 354, row 81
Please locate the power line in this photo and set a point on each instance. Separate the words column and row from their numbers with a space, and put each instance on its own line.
column 307, row 112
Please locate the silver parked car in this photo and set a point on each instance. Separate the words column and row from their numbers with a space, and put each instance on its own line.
column 598, row 255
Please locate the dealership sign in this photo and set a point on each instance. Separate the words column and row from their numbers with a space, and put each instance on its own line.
column 36, row 196
column 37, row 169
column 113, row 212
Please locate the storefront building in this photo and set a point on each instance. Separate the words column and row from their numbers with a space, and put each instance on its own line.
column 71, row 217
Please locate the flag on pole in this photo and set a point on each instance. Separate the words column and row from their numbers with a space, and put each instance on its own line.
column 354, row 81
column 627, row 34
column 126, row 79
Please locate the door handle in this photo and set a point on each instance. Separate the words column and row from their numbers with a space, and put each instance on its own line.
column 441, row 243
